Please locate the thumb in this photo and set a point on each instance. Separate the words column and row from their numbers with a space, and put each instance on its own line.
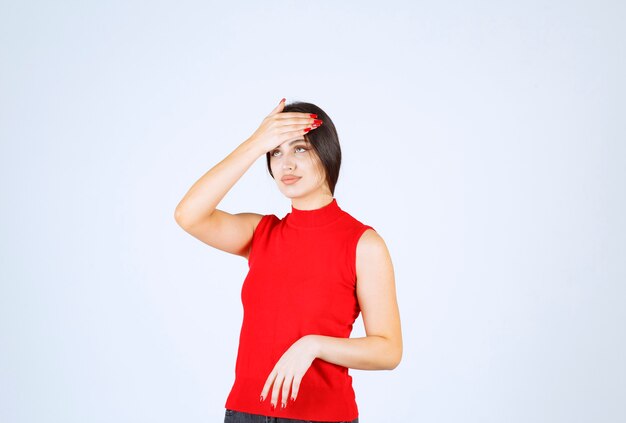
column 278, row 108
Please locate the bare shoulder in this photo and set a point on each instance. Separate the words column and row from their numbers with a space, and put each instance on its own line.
column 252, row 218
column 371, row 252
column 246, row 219
column 371, row 240
column 371, row 249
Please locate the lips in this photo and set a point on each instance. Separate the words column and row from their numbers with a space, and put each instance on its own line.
column 289, row 179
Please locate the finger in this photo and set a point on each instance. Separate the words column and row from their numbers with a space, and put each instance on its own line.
column 277, row 385
column 287, row 115
column 266, row 387
column 284, row 396
column 297, row 120
column 279, row 108
column 296, row 135
column 295, row 387
column 297, row 128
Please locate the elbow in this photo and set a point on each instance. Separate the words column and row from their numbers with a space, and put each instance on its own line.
column 389, row 355
column 394, row 357
column 394, row 361
column 180, row 217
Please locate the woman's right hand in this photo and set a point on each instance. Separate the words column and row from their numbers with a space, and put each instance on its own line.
column 279, row 127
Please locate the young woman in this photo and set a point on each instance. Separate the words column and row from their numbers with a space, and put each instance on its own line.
column 310, row 275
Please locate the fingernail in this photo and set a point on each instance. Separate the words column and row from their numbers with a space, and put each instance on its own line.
column 283, row 405
column 292, row 399
column 261, row 400
column 272, row 407
column 313, row 115
column 282, row 100
column 318, row 121
column 307, row 129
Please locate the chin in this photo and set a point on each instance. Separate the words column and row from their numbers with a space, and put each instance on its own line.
column 292, row 194
column 295, row 193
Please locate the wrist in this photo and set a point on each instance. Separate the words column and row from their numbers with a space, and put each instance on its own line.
column 314, row 344
column 251, row 144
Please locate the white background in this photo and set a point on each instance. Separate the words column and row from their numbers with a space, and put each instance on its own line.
column 483, row 140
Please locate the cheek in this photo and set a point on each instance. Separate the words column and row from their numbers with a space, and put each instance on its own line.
column 318, row 168
column 312, row 169
column 317, row 174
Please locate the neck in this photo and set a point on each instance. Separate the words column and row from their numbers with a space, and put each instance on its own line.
column 312, row 203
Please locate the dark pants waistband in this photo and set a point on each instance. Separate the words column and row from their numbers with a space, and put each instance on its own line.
column 232, row 416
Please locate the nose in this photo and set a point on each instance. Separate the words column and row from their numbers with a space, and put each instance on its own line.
column 288, row 164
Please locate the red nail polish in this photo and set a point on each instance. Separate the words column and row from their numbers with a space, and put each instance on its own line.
column 283, row 405
column 307, row 129
column 282, row 100
column 272, row 407
column 313, row 115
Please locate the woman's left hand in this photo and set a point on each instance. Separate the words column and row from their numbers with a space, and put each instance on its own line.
column 289, row 370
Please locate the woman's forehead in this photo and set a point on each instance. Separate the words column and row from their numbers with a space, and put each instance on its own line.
column 292, row 142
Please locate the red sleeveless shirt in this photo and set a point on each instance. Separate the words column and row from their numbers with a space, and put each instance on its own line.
column 301, row 281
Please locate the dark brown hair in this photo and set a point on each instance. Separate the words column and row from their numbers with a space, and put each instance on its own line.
column 324, row 140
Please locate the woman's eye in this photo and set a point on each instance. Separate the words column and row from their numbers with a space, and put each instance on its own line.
column 303, row 149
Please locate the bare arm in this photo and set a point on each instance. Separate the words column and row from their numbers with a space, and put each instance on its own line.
column 206, row 193
column 381, row 349
column 197, row 212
